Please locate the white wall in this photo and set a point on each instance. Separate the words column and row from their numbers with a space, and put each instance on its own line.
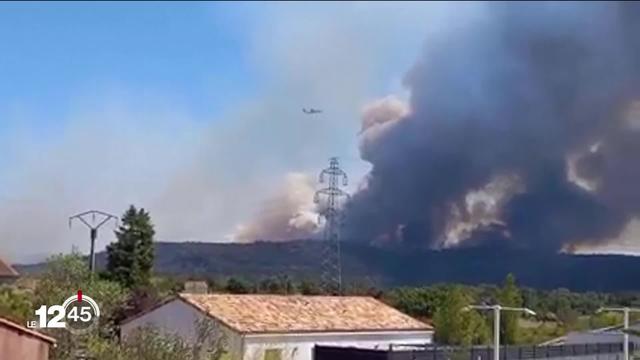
column 300, row 346
column 174, row 317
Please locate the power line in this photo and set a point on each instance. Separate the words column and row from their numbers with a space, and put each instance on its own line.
column 331, row 276
column 97, row 220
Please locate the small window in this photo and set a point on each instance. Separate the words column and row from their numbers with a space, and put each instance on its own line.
column 273, row 354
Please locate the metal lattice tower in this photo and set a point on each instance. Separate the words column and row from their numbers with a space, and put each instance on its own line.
column 335, row 177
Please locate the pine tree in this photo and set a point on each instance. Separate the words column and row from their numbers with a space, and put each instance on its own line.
column 509, row 295
column 454, row 325
column 130, row 258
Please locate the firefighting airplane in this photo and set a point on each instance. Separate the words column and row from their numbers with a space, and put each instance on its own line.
column 311, row 111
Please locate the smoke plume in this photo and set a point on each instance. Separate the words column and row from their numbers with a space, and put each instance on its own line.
column 290, row 214
column 522, row 127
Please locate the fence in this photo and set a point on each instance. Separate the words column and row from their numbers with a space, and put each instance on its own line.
column 608, row 351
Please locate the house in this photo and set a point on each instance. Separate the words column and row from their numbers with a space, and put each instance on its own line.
column 7, row 273
column 18, row 342
column 280, row 327
column 612, row 334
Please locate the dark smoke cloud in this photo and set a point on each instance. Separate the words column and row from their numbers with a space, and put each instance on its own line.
column 529, row 91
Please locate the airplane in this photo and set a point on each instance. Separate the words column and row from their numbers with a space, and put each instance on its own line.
column 311, row 111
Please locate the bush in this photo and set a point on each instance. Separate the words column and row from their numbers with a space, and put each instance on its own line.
column 150, row 344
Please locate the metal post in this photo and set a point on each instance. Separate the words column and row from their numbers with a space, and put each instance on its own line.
column 496, row 332
column 625, row 311
column 626, row 335
column 92, row 261
column 496, row 321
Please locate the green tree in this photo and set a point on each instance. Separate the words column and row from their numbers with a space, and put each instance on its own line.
column 66, row 274
column 419, row 302
column 605, row 319
column 15, row 304
column 270, row 286
column 309, row 287
column 509, row 295
column 238, row 286
column 565, row 313
column 63, row 277
column 130, row 258
column 456, row 326
column 150, row 343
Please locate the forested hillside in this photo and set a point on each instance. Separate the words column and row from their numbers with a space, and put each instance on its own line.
column 392, row 267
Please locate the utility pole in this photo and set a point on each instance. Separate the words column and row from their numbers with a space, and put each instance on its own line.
column 625, row 311
column 497, row 309
column 98, row 218
column 330, row 210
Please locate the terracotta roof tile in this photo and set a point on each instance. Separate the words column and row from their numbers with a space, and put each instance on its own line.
column 7, row 270
column 297, row 313
column 23, row 330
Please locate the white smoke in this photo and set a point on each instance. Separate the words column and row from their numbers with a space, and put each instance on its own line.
column 378, row 117
column 290, row 214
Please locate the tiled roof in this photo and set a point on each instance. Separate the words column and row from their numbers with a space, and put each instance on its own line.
column 7, row 270
column 297, row 313
column 23, row 330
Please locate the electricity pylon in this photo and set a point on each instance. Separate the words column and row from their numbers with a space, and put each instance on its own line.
column 331, row 276
column 93, row 226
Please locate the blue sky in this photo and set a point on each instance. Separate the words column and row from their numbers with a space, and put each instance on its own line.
column 51, row 52
column 189, row 109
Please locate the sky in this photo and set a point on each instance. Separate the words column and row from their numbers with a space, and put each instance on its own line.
column 190, row 110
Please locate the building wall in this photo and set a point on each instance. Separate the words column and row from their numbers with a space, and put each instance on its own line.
column 174, row 317
column 617, row 356
column 19, row 346
column 180, row 319
column 300, row 346
column 598, row 337
column 464, row 353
